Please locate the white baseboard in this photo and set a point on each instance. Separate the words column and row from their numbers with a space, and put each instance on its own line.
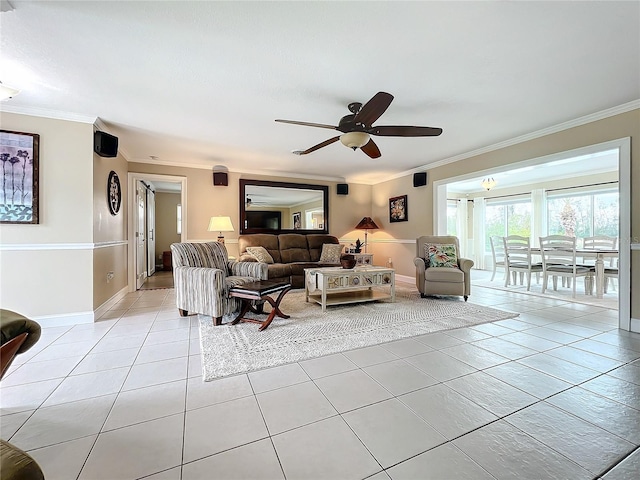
column 65, row 319
column 635, row 325
column 102, row 309
column 79, row 318
column 405, row 279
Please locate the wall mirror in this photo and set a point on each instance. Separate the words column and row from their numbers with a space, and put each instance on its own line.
column 282, row 207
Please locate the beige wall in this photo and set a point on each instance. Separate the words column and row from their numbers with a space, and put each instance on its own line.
column 109, row 231
column 166, row 222
column 205, row 200
column 46, row 269
column 420, row 199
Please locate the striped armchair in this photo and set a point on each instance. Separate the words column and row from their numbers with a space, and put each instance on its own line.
column 203, row 275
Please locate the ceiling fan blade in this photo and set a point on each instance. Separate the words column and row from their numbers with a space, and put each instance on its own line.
column 308, row 124
column 317, row 147
column 371, row 149
column 375, row 107
column 404, row 131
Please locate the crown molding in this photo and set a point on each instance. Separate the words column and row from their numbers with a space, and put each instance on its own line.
column 47, row 113
column 593, row 117
column 267, row 173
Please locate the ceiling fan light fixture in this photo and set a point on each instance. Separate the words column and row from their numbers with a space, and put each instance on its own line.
column 354, row 139
column 7, row 91
column 488, row 183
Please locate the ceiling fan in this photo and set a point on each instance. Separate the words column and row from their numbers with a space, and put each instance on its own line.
column 357, row 128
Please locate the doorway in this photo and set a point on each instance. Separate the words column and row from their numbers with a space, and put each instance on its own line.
column 157, row 215
column 622, row 147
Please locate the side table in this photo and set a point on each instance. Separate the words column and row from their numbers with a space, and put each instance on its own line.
column 363, row 258
column 254, row 295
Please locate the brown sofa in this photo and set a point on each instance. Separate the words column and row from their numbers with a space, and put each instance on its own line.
column 291, row 253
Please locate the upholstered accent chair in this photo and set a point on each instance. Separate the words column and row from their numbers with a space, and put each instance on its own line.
column 432, row 280
column 18, row 334
column 203, row 275
column 16, row 464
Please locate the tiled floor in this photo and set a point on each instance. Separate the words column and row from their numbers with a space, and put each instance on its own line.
column 553, row 393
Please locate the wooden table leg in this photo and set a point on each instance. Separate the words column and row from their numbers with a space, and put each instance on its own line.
column 246, row 305
column 275, row 309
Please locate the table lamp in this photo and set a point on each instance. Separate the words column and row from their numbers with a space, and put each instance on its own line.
column 366, row 224
column 220, row 224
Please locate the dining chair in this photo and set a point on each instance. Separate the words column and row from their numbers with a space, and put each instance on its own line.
column 607, row 243
column 518, row 259
column 497, row 251
column 559, row 260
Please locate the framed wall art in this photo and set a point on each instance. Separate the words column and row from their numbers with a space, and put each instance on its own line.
column 114, row 193
column 19, row 153
column 398, row 209
column 296, row 220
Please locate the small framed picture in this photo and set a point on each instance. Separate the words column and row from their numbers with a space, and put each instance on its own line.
column 296, row 220
column 19, row 200
column 398, row 209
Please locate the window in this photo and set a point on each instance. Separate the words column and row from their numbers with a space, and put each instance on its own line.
column 452, row 217
column 179, row 219
column 508, row 216
column 583, row 213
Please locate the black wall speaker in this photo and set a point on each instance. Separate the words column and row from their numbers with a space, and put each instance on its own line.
column 220, row 178
column 343, row 188
column 105, row 145
column 419, row 179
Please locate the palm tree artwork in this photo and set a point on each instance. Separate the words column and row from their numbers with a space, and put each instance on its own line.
column 19, row 154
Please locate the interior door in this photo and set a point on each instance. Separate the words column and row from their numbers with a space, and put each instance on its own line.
column 141, row 251
column 151, row 232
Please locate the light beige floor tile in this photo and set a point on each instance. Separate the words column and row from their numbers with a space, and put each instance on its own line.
column 61, row 423
column 506, row 452
column 443, row 462
column 477, row 357
column 9, row 424
column 294, row 406
column 96, row 362
column 240, row 420
column 38, row 371
column 88, row 385
column 528, row 379
column 202, row 394
column 440, row 366
column 26, row 397
column 405, row 434
column 277, row 377
column 364, row 357
column 326, row 449
column 149, row 403
column 163, row 351
column 136, row 451
column 257, row 461
column 351, row 390
column 447, row 411
column 147, row 374
column 64, row 461
column 399, row 377
column 328, row 365
column 406, row 347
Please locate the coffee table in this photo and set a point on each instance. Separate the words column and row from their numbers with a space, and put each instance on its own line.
column 254, row 295
column 337, row 285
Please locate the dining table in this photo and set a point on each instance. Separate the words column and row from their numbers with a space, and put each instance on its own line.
column 599, row 254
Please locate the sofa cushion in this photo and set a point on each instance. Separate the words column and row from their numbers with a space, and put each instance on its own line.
column 261, row 254
column 279, row 270
column 297, row 268
column 293, row 248
column 315, row 243
column 330, row 253
column 266, row 240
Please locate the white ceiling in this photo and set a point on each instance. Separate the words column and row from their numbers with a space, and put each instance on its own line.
column 593, row 163
column 200, row 83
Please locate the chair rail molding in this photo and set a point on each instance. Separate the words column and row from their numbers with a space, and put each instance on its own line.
column 14, row 247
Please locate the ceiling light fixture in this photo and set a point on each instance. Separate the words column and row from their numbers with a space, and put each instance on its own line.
column 7, row 92
column 488, row 183
column 354, row 139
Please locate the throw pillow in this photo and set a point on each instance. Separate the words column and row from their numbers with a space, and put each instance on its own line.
column 330, row 253
column 260, row 254
column 442, row 255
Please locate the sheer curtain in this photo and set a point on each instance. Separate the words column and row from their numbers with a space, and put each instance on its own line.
column 461, row 226
column 538, row 215
column 478, row 232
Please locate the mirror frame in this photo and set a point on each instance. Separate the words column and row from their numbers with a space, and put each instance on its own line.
column 300, row 186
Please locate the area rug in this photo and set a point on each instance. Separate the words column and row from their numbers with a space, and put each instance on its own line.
column 309, row 333
column 564, row 294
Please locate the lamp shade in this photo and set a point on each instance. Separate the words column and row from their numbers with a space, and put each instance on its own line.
column 367, row 224
column 220, row 224
column 354, row 139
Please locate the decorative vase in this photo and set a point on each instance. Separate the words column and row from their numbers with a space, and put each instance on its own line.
column 348, row 261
